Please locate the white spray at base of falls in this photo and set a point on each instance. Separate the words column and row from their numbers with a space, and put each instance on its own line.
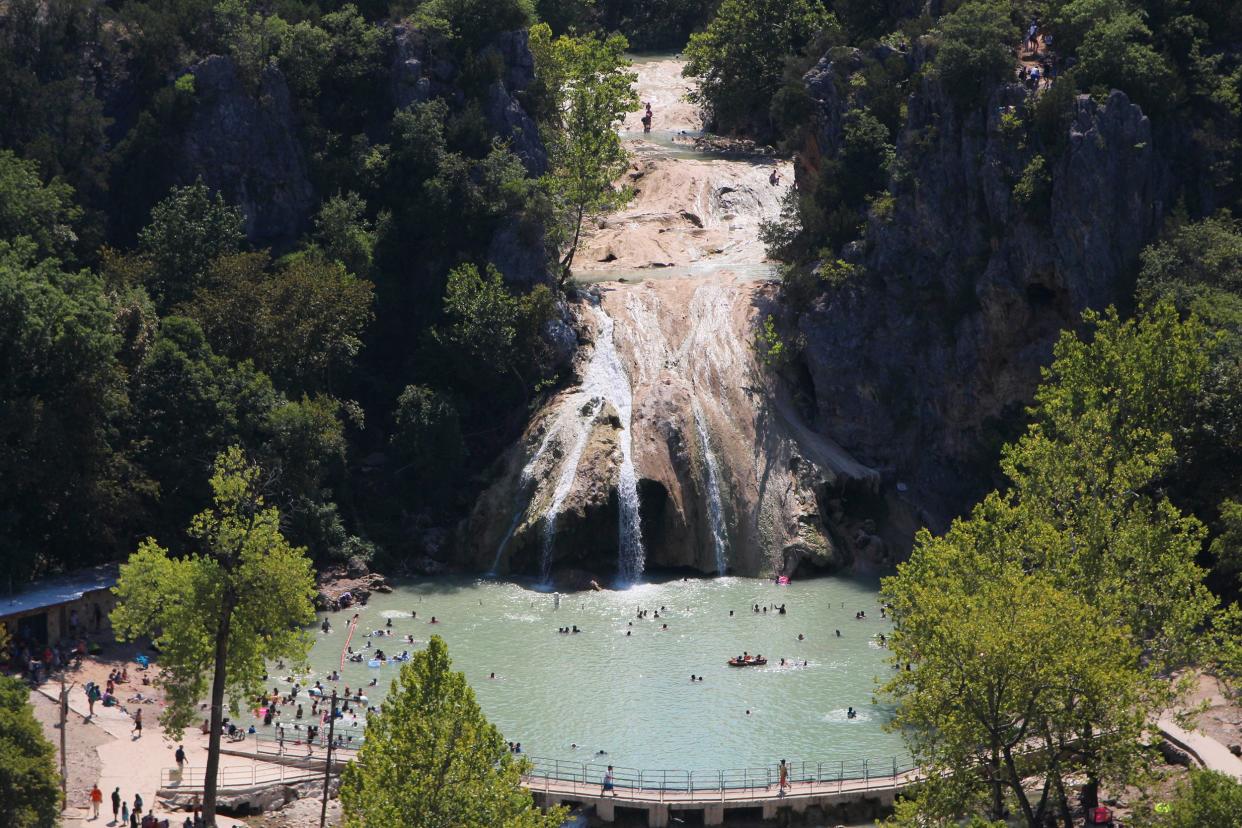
column 715, row 506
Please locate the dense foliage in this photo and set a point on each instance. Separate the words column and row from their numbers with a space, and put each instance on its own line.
column 221, row 613
column 1052, row 615
column 589, row 90
column 29, row 784
column 143, row 329
column 740, row 57
column 431, row 758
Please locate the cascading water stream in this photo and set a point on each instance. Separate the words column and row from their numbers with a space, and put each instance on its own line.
column 604, row 381
column 607, row 378
column 569, row 470
column 525, row 488
column 715, row 506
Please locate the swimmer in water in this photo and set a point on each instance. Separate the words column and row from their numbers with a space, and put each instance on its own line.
column 492, row 676
column 801, row 636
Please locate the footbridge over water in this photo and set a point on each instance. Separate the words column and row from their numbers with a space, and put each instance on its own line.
column 661, row 793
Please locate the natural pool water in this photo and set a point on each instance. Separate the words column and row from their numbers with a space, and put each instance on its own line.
column 631, row 695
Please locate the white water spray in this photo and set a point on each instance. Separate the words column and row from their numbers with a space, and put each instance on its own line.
column 715, row 507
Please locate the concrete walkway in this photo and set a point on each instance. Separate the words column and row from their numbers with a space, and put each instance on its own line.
column 1210, row 753
column 134, row 764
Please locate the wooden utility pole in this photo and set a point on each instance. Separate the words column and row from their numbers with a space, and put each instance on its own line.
column 327, row 767
column 64, row 761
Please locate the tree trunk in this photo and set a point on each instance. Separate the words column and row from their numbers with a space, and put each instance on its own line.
column 568, row 262
column 1090, row 797
column 994, row 777
column 218, row 680
column 1015, row 781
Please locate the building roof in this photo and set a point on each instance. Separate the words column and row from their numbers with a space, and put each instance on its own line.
column 52, row 592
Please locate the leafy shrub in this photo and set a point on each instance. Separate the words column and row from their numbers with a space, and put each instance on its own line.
column 976, row 49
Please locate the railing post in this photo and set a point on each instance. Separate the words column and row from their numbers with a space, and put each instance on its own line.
column 866, row 776
column 840, row 776
column 894, row 771
column 720, row 784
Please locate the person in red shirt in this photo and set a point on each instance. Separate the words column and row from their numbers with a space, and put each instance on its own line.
column 96, row 800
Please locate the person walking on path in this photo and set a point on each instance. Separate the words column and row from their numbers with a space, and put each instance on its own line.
column 96, row 800
column 137, row 812
column 116, row 803
column 124, row 813
column 137, row 722
column 608, row 783
column 180, row 757
column 783, row 782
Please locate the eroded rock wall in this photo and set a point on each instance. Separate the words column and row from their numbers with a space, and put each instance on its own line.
column 923, row 365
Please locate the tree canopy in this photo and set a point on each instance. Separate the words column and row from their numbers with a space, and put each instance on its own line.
column 740, row 56
column 222, row 611
column 29, row 783
column 589, row 87
column 432, row 760
column 1082, row 555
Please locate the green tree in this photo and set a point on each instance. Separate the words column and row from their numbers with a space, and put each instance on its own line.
column 345, row 234
column 1202, row 798
column 976, row 49
column 427, row 434
column 43, row 213
column 432, row 760
column 220, row 613
column 588, row 79
column 301, row 322
column 1004, row 661
column 304, row 444
column 472, row 23
column 1081, row 520
column 740, row 56
column 489, row 333
column 66, row 484
column 190, row 404
column 1117, row 53
column 29, row 784
column 188, row 230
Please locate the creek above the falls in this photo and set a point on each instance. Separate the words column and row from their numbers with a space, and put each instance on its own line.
column 631, row 695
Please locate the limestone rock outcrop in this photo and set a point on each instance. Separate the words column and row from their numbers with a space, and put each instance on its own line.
column 923, row 366
column 244, row 144
column 725, row 465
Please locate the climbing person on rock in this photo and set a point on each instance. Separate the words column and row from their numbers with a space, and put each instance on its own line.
column 647, row 118
column 775, row 178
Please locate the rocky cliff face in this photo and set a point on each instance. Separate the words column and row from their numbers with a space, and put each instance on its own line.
column 924, row 364
column 244, row 143
column 728, row 475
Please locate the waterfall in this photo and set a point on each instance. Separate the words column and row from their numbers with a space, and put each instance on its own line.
column 604, row 381
column 607, row 377
column 525, row 488
column 715, row 507
column 569, row 469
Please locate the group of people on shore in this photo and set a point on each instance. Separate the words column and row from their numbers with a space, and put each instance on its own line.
column 124, row 815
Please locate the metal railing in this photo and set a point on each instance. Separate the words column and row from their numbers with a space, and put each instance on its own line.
column 236, row 776
column 708, row 785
